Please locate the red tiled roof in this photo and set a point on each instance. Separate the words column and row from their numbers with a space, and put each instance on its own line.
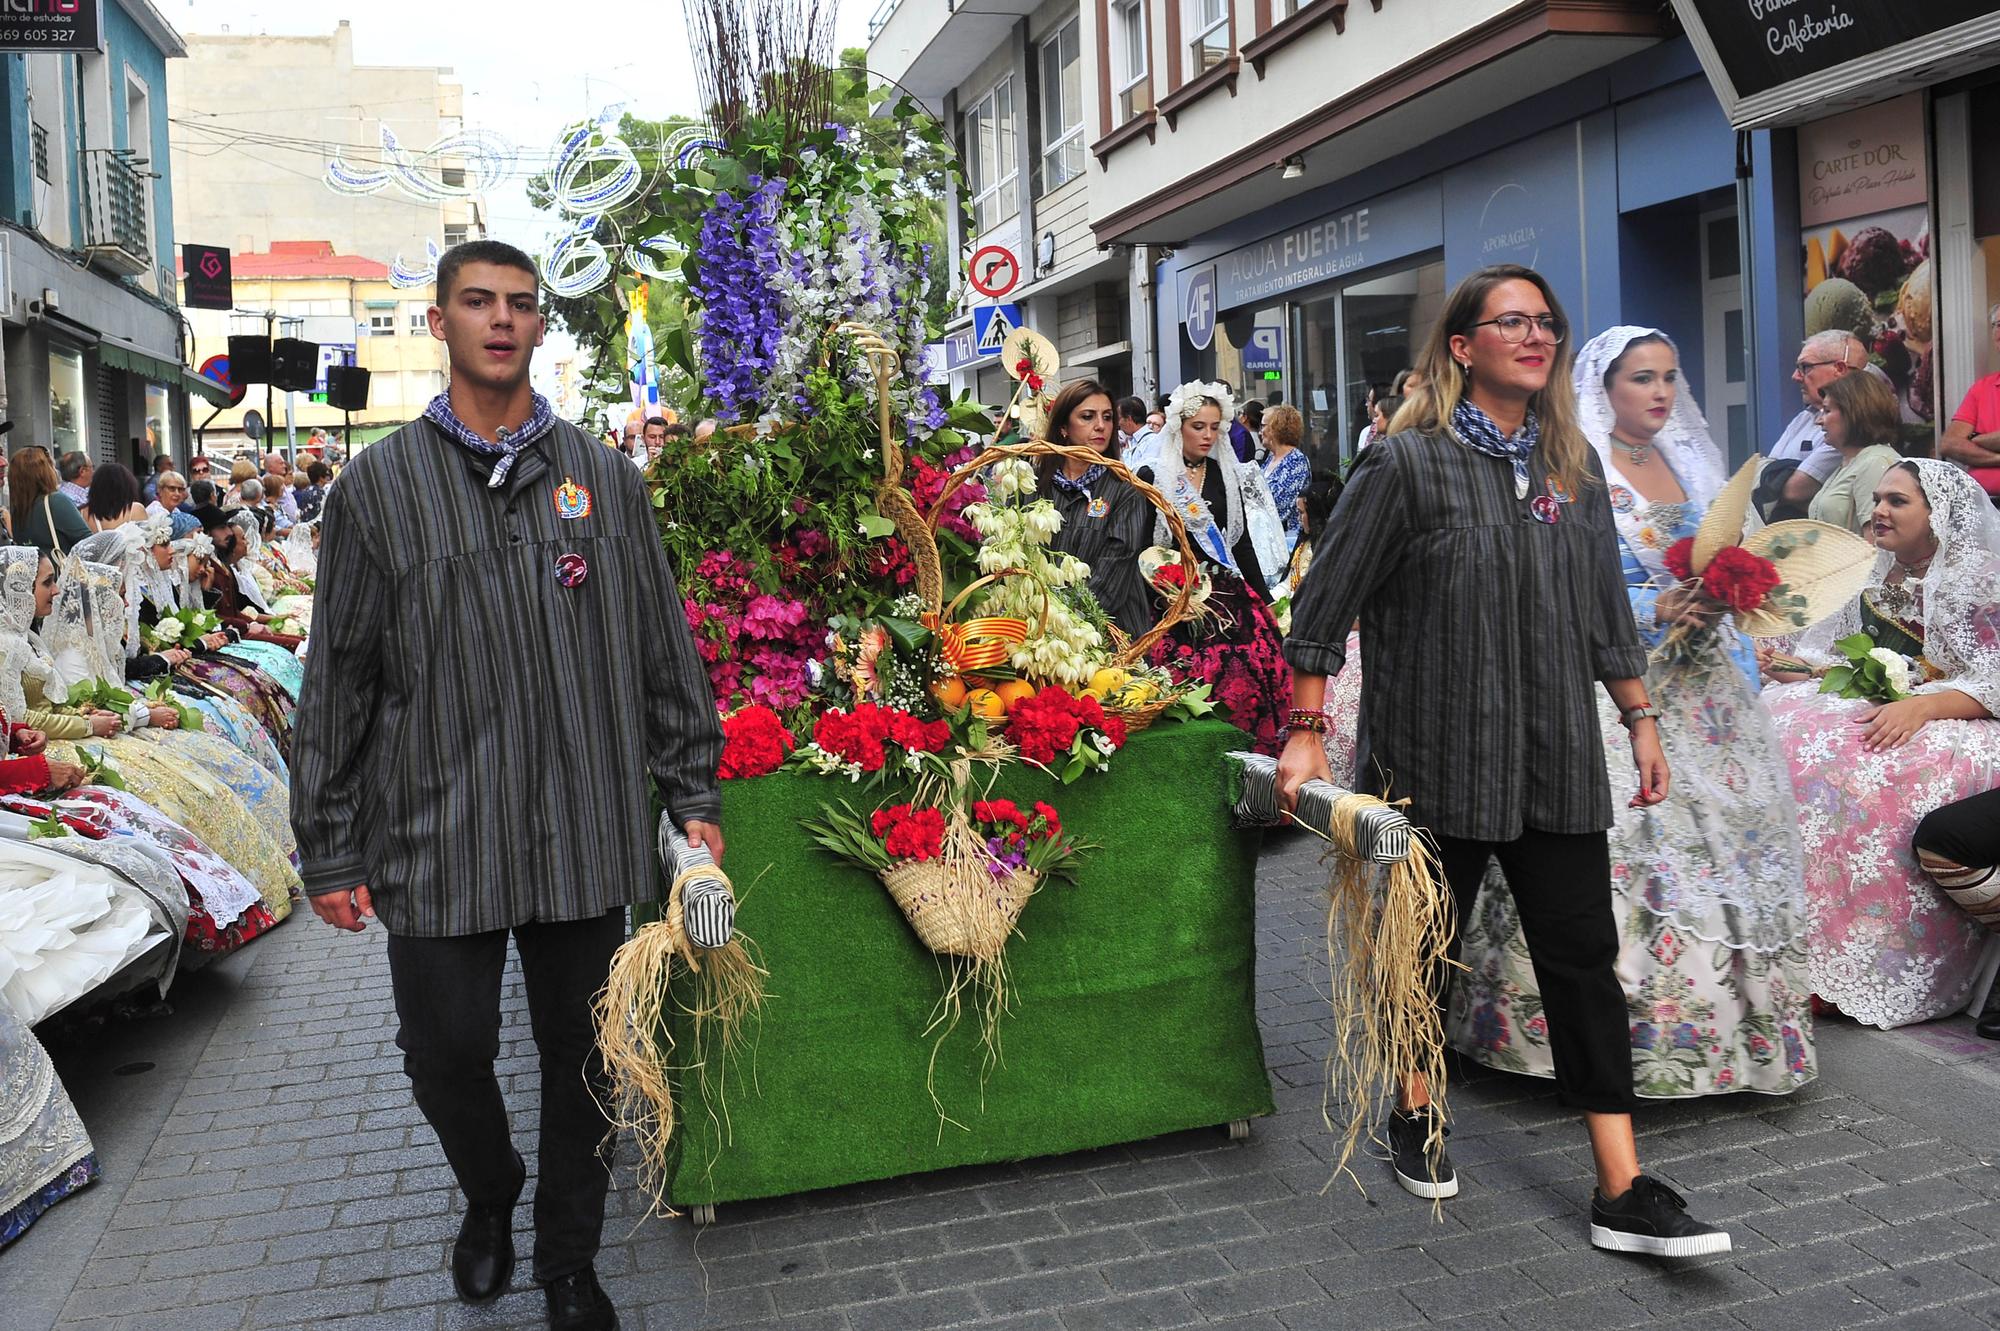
column 304, row 258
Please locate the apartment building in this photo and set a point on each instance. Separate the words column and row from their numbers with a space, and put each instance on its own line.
column 88, row 315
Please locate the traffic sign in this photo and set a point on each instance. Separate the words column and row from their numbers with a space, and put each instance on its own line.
column 990, row 326
column 1198, row 307
column 216, row 370
column 995, row 271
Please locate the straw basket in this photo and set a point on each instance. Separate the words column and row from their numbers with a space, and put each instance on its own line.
column 968, row 913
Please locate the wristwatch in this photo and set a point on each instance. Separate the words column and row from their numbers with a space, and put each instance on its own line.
column 1632, row 716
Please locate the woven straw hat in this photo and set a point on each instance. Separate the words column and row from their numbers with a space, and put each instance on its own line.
column 1824, row 567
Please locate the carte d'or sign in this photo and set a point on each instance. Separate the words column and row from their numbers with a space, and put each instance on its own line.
column 1779, row 61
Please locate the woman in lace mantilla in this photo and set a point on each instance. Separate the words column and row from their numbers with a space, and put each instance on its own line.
column 1709, row 886
column 1887, row 946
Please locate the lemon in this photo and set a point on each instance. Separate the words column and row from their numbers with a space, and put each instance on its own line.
column 1108, row 680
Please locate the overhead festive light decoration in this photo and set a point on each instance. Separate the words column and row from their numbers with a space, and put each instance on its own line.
column 485, row 159
column 405, row 275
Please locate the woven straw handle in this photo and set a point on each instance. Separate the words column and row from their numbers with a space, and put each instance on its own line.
column 1177, row 609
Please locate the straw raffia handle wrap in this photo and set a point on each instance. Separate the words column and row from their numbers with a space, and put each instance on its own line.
column 1177, row 610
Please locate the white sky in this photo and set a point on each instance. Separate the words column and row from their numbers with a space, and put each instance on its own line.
column 528, row 66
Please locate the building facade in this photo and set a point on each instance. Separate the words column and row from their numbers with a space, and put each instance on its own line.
column 261, row 116
column 1016, row 82
column 348, row 307
column 93, row 347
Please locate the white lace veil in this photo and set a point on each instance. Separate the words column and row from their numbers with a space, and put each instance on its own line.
column 1683, row 441
column 1247, row 503
column 129, row 550
column 187, row 591
column 297, row 549
column 69, row 631
column 22, row 655
column 1957, row 600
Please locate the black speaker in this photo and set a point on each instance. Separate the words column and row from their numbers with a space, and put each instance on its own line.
column 294, row 365
column 347, row 388
column 249, row 360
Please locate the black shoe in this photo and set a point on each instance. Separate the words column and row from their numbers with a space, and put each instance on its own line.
column 578, row 1303
column 1423, row 1172
column 482, row 1261
column 1652, row 1218
column 1989, row 1028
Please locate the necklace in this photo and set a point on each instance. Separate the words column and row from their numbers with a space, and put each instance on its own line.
column 1916, row 568
column 1637, row 454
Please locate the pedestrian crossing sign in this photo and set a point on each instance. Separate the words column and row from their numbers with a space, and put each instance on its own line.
column 990, row 326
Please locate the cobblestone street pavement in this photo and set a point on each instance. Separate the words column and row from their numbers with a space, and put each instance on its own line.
column 269, row 1168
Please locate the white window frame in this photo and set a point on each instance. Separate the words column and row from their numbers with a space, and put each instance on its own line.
column 417, row 320
column 1062, row 154
column 1125, row 82
column 994, row 201
column 1196, row 32
column 382, row 323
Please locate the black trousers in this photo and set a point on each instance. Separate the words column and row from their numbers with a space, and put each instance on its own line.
column 1562, row 889
column 1966, row 833
column 448, row 1003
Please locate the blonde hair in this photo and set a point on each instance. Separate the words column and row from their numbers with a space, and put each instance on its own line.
column 1443, row 381
column 1285, row 426
column 243, row 469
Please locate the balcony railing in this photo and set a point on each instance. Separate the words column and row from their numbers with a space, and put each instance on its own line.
column 880, row 18
column 41, row 137
column 116, row 219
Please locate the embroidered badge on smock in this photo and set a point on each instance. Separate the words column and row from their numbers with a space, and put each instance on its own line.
column 572, row 569
column 572, row 500
column 1622, row 500
column 1545, row 508
column 1098, row 508
column 1558, row 490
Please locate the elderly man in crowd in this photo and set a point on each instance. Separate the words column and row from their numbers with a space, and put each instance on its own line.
column 76, row 471
column 278, row 489
column 1824, row 358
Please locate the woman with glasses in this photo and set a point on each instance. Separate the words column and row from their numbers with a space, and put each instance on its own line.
column 171, row 492
column 1478, row 550
column 1858, row 416
column 1710, row 888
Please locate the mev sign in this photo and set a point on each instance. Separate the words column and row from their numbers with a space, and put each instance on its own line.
column 51, row 25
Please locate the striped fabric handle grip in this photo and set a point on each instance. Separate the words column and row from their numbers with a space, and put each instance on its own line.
column 708, row 907
column 1381, row 834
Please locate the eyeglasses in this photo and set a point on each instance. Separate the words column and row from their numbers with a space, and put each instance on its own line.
column 1514, row 327
column 1806, row 367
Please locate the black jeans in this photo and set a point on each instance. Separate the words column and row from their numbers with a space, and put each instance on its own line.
column 1562, row 889
column 1966, row 833
column 448, row 1004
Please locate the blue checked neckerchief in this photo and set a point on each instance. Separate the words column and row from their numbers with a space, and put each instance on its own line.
column 541, row 419
column 1476, row 430
column 1081, row 485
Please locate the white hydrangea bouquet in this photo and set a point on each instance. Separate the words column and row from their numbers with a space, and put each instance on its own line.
column 1875, row 673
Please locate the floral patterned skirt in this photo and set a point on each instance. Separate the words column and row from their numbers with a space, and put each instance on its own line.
column 1709, row 899
column 1887, row 946
column 248, row 686
column 1237, row 651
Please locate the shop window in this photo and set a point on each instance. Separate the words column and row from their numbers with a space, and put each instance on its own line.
column 988, row 151
column 1062, row 107
column 159, row 433
column 1207, row 25
column 1131, row 67
column 1365, row 334
column 68, row 405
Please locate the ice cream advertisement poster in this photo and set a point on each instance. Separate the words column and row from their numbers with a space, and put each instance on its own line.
column 1864, row 206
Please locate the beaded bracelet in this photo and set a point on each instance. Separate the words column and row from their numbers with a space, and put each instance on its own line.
column 1306, row 718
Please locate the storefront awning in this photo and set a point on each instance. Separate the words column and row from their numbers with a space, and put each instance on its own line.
column 207, row 390
column 1776, row 65
column 134, row 361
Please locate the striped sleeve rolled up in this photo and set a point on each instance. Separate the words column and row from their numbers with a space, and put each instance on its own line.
column 498, row 678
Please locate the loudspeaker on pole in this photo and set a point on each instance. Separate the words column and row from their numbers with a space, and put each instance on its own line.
column 347, row 387
column 249, row 360
column 294, row 365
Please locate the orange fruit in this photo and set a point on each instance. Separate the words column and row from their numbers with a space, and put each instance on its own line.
column 986, row 703
column 1013, row 691
column 950, row 692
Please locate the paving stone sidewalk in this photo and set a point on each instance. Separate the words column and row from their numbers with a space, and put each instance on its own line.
column 288, row 1180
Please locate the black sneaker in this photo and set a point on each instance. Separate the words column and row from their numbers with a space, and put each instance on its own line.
column 1652, row 1218
column 1422, row 1172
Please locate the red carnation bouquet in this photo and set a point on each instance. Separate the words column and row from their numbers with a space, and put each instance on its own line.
column 754, row 743
column 898, row 834
column 1056, row 726
column 1030, row 839
column 871, row 739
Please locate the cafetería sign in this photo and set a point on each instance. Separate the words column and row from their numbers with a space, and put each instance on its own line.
column 1780, row 62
